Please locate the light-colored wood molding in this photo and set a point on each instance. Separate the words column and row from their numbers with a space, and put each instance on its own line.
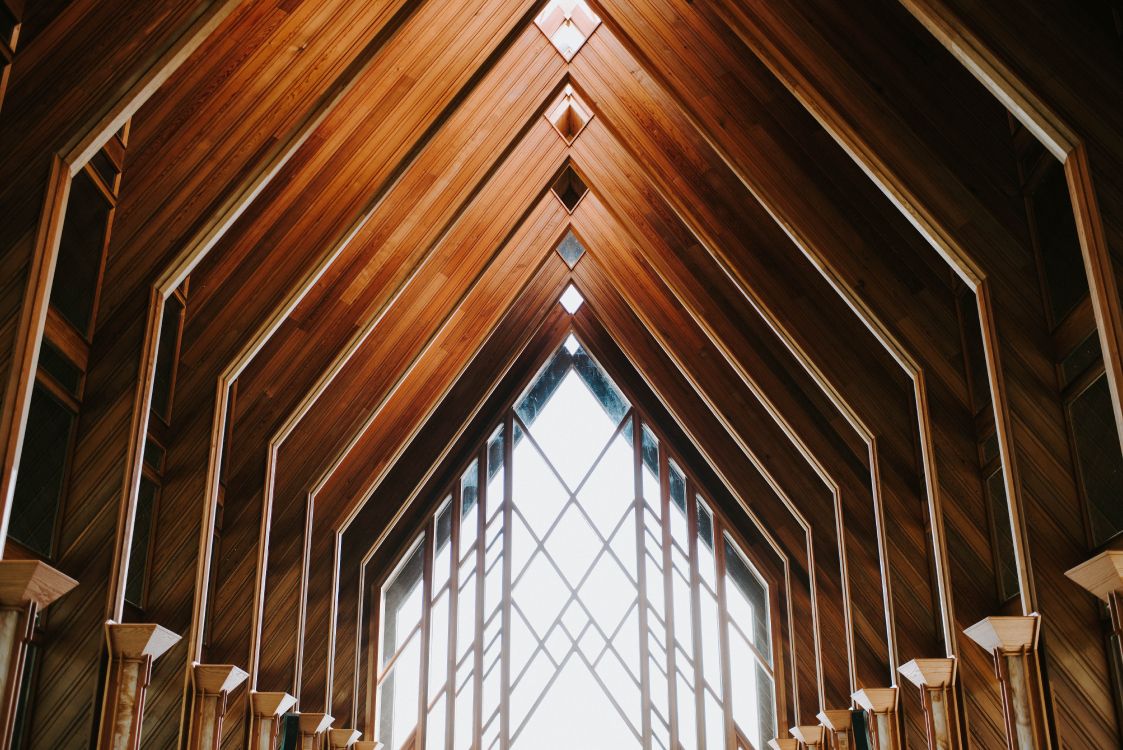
column 929, row 672
column 341, row 739
column 836, row 720
column 138, row 640
column 212, row 679
column 787, row 743
column 312, row 724
column 811, row 735
column 24, row 582
column 1101, row 576
column 267, row 709
column 1006, row 634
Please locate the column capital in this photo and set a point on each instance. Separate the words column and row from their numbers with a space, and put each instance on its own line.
column 810, row 735
column 836, row 720
column 1006, row 634
column 271, row 704
column 1102, row 575
column 341, row 739
column 367, row 745
column 877, row 700
column 784, row 744
column 137, row 640
column 933, row 673
column 24, row 582
column 314, row 723
column 212, row 679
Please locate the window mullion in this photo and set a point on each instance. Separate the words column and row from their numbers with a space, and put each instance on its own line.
column 453, row 615
column 723, row 629
column 696, row 611
column 481, row 576
column 426, row 621
column 641, row 578
column 668, row 591
column 505, row 656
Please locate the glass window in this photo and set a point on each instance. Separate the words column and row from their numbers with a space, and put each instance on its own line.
column 1099, row 462
column 589, row 610
column 84, row 231
column 42, row 468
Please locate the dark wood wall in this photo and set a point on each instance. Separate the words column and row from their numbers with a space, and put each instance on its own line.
column 814, row 251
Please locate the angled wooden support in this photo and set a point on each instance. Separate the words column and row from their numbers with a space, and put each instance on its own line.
column 211, row 686
column 810, row 736
column 881, row 705
column 936, row 680
column 838, row 729
column 1102, row 576
column 26, row 586
column 343, row 739
column 784, row 744
column 265, row 724
column 1012, row 642
column 313, row 727
column 132, row 649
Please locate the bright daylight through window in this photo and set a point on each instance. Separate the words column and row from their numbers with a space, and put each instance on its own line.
column 574, row 589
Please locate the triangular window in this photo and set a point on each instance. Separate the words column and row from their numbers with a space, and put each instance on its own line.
column 574, row 588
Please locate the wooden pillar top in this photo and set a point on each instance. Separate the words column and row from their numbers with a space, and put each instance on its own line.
column 212, row 679
column 783, row 744
column 135, row 640
column 367, row 745
column 836, row 720
column 24, row 582
column 1102, row 575
column 343, row 738
column 878, row 700
column 271, row 704
column 809, row 734
column 929, row 672
column 315, row 723
column 1006, row 634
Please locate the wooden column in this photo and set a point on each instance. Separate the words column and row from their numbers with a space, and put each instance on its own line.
column 936, row 680
column 132, row 649
column 881, row 705
column 810, row 736
column 212, row 683
column 312, row 729
column 26, row 586
column 343, row 739
column 1012, row 642
column 367, row 745
column 1102, row 576
column 265, row 725
column 783, row 744
column 838, row 729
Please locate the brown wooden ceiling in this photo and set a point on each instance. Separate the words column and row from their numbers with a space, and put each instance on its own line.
column 785, row 199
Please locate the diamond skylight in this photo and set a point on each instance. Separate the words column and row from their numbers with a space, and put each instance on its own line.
column 567, row 24
column 569, row 114
column 571, row 299
column 570, row 249
column 569, row 188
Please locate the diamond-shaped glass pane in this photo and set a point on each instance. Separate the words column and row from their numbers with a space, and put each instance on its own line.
column 570, row 249
column 608, row 492
column 573, row 545
column 538, row 495
column 571, row 299
column 567, row 24
column 607, row 594
column 540, row 594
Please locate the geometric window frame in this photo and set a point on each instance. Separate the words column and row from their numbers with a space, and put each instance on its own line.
column 473, row 690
